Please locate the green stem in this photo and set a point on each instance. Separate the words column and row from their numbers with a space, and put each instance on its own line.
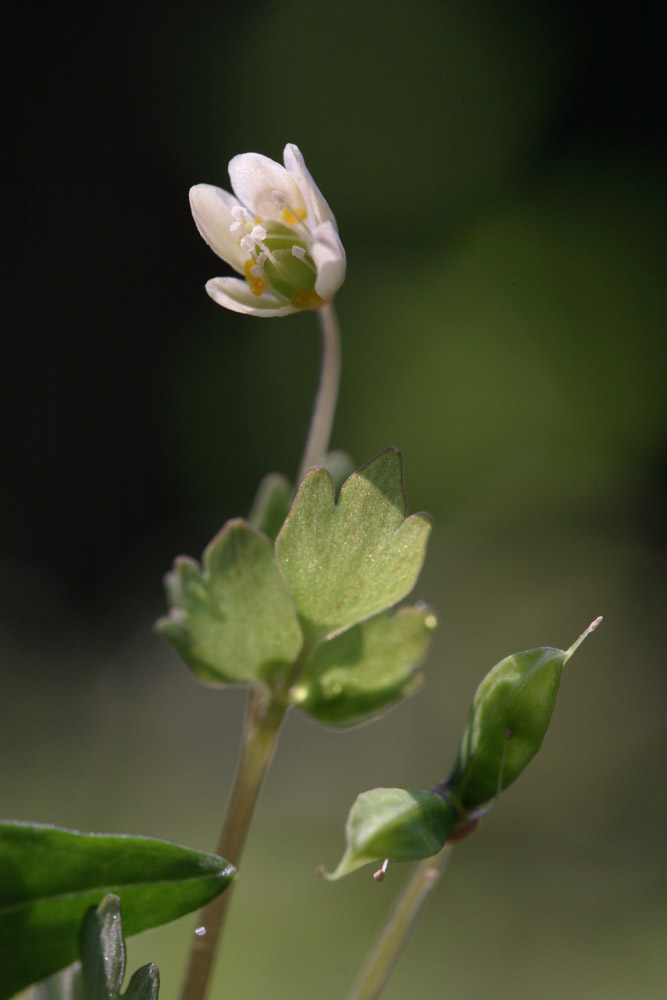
column 324, row 407
column 264, row 716
column 396, row 933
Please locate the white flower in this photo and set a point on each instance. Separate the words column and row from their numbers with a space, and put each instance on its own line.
column 276, row 230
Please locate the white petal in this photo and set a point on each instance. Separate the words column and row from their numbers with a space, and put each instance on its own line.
column 234, row 294
column 318, row 209
column 212, row 211
column 254, row 179
column 328, row 256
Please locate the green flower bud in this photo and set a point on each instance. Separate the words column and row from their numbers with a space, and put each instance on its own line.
column 508, row 720
column 396, row 824
column 509, row 717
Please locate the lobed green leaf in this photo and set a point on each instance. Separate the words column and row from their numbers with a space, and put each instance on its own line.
column 346, row 562
column 233, row 620
column 360, row 672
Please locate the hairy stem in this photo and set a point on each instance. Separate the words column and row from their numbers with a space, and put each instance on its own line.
column 324, row 407
column 396, row 933
column 264, row 716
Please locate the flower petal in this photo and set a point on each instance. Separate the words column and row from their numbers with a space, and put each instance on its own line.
column 212, row 212
column 328, row 256
column 254, row 179
column 318, row 209
column 234, row 294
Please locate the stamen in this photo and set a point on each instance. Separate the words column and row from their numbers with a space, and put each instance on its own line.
column 252, row 239
column 307, row 299
column 293, row 216
column 256, row 284
column 298, row 252
column 290, row 216
column 257, row 271
column 235, row 226
column 239, row 213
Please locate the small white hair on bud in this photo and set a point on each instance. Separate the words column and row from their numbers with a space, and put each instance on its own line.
column 381, row 872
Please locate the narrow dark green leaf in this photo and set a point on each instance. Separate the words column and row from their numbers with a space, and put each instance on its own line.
column 103, row 950
column 49, row 877
column 103, row 957
column 144, row 984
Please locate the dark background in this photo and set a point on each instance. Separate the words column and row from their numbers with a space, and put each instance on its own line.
column 497, row 171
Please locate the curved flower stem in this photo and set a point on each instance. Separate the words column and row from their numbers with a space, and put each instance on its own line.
column 396, row 933
column 264, row 716
column 324, row 407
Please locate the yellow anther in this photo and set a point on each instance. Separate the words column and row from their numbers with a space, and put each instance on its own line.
column 291, row 217
column 307, row 299
column 257, row 284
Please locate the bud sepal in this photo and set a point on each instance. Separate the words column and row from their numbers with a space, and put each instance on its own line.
column 396, row 824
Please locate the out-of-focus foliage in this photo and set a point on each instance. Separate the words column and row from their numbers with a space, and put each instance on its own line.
column 51, row 876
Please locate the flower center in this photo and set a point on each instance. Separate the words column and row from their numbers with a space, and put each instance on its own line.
column 278, row 245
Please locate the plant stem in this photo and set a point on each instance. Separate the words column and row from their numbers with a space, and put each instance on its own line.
column 324, row 407
column 396, row 933
column 264, row 715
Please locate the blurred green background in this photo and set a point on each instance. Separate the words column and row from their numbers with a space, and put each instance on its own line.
column 497, row 171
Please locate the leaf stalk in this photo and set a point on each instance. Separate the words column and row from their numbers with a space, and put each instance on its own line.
column 398, row 929
column 264, row 716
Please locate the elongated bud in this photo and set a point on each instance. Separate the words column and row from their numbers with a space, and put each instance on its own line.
column 518, row 696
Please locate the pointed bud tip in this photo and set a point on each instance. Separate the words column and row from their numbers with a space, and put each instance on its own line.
column 591, row 628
